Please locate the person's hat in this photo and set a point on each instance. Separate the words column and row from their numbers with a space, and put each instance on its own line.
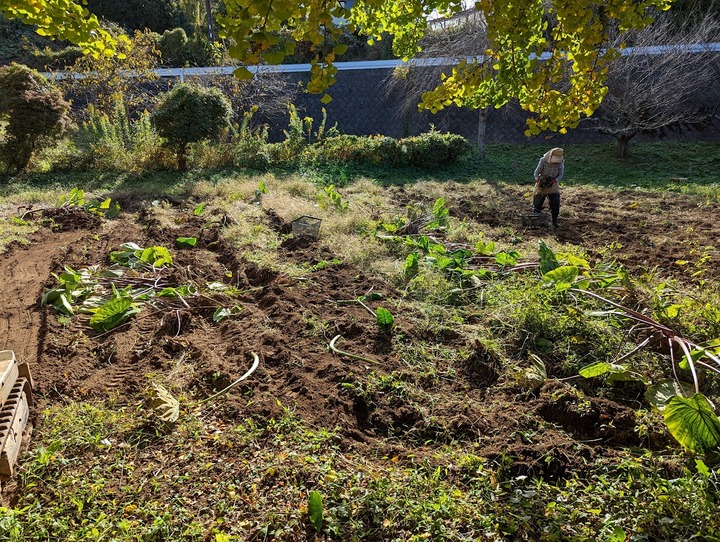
column 556, row 156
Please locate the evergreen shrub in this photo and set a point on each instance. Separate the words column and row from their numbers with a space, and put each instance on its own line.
column 33, row 112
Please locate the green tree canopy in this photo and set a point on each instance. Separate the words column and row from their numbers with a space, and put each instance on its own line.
column 155, row 15
column 550, row 56
column 65, row 20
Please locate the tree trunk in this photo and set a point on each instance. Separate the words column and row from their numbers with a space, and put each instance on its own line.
column 208, row 9
column 182, row 158
column 481, row 136
column 623, row 144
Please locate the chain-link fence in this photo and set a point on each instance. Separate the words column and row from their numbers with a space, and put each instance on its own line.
column 363, row 104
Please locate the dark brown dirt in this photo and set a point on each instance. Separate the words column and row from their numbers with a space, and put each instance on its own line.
column 289, row 323
column 650, row 230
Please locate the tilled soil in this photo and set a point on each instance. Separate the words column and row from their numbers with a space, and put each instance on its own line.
column 289, row 322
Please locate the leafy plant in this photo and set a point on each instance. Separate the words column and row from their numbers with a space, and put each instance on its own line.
column 186, row 241
column 385, row 320
column 111, row 296
column 136, row 257
column 331, row 197
column 315, row 510
column 188, row 114
column 76, row 198
column 691, row 420
column 113, row 313
column 223, row 312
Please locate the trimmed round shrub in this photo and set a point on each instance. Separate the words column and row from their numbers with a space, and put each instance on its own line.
column 190, row 113
column 34, row 111
column 433, row 149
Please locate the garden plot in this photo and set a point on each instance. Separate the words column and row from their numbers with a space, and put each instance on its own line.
column 195, row 310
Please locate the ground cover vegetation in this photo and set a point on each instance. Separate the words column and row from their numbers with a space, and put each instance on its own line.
column 424, row 368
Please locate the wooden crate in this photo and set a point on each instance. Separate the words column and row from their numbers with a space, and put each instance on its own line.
column 15, row 404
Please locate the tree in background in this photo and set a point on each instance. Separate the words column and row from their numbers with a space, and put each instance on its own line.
column 559, row 89
column 551, row 56
column 650, row 94
column 34, row 112
column 132, row 15
column 188, row 114
column 457, row 39
column 102, row 80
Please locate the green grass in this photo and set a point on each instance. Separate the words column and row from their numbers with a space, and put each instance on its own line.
column 692, row 167
column 656, row 166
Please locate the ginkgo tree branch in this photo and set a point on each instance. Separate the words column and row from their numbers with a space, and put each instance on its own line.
column 64, row 20
column 552, row 57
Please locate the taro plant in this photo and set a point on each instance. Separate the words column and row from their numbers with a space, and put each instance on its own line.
column 384, row 319
column 689, row 415
column 315, row 510
column 137, row 277
column 330, row 197
column 76, row 199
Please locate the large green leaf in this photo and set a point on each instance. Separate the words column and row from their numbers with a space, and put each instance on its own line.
column 315, row 510
column 113, row 313
column 156, row 256
column 660, row 393
column 385, row 319
column 562, row 277
column 412, row 265
column 505, row 258
column 186, row 241
column 693, row 423
column 598, row 368
column 614, row 371
column 548, row 261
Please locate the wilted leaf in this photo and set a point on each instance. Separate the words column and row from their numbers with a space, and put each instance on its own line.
column 223, row 312
column 165, row 406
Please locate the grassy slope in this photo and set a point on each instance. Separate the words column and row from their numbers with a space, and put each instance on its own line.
column 89, row 463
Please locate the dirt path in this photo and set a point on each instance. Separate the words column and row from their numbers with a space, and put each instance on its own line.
column 22, row 275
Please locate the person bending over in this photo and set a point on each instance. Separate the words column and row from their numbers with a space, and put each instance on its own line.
column 549, row 172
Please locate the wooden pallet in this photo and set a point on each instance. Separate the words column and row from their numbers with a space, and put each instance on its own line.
column 15, row 403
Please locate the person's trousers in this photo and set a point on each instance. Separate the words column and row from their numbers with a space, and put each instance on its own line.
column 553, row 200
